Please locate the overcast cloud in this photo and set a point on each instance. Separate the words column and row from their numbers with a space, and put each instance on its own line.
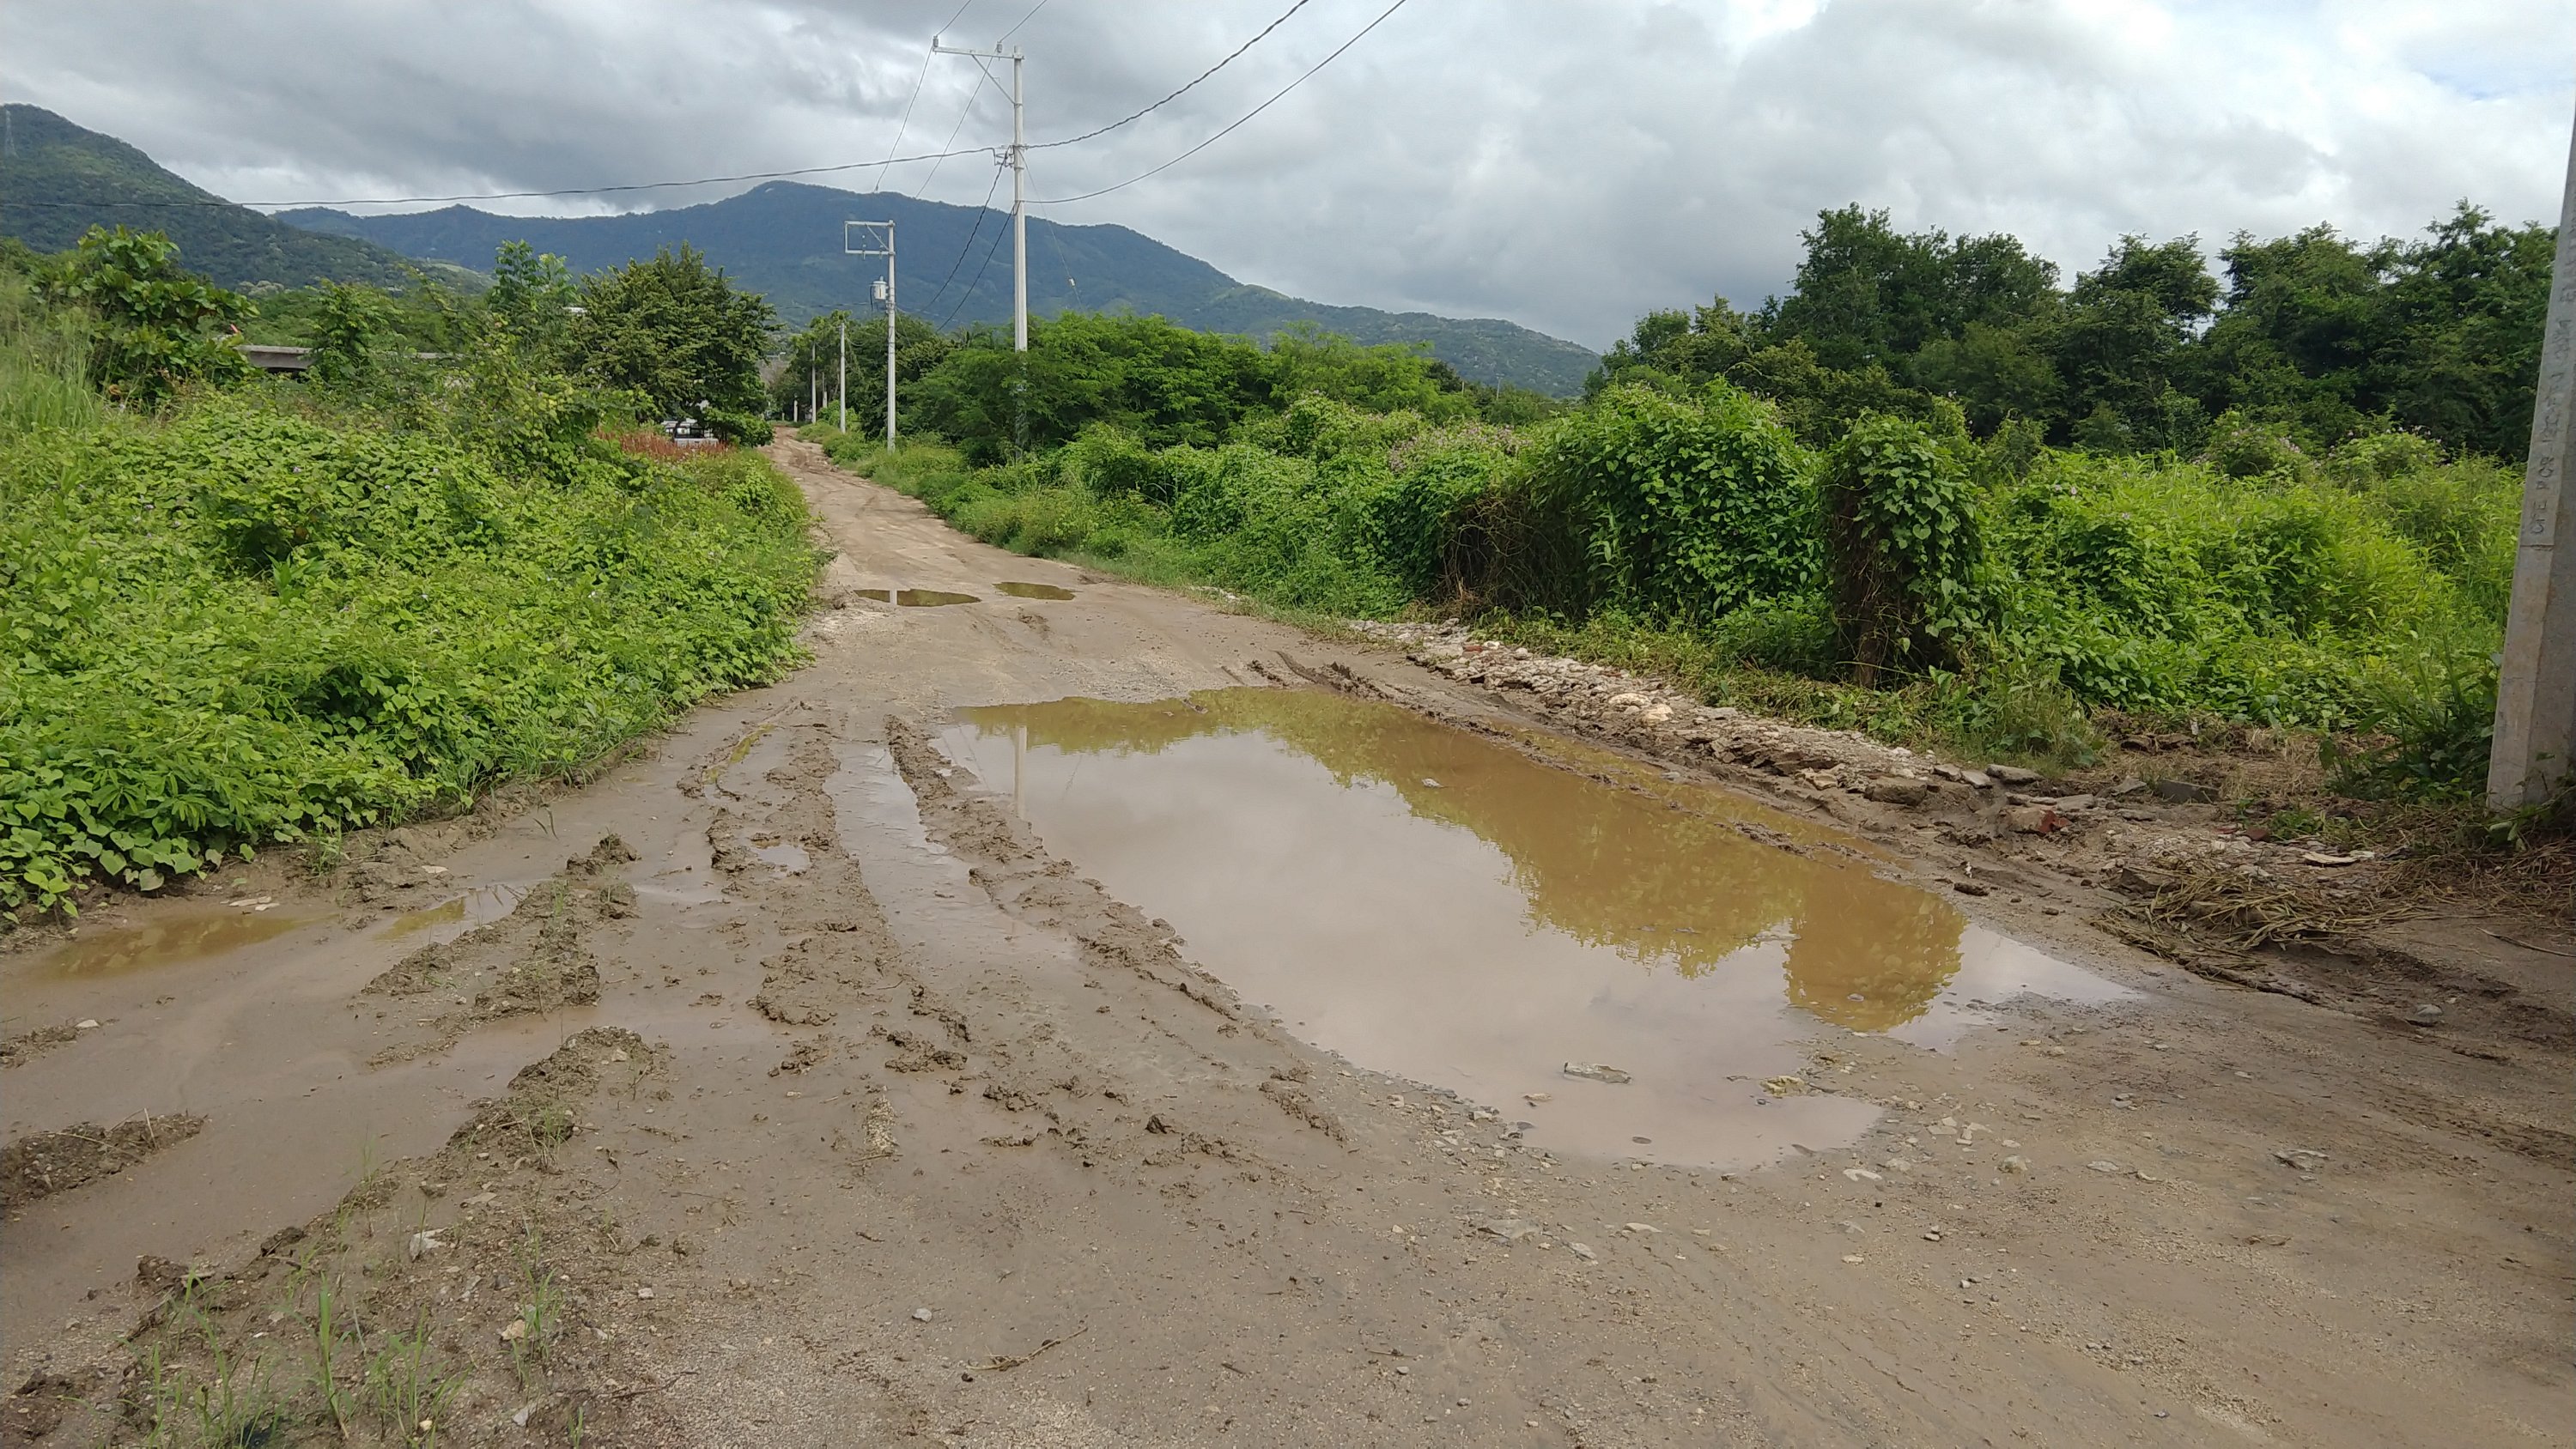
column 1565, row 165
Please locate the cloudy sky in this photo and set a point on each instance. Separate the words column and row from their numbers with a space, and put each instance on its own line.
column 1562, row 164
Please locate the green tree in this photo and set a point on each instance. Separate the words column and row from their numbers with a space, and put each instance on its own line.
column 533, row 298
column 674, row 330
column 156, row 324
column 350, row 318
column 813, row 356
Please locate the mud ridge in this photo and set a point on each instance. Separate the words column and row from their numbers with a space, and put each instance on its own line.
column 37, row 1167
column 530, row 962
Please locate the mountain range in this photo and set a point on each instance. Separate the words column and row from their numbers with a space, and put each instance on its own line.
column 783, row 239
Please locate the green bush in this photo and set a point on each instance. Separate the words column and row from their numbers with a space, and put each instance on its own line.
column 1902, row 541
column 245, row 626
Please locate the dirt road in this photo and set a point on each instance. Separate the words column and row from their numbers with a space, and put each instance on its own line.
column 807, row 1081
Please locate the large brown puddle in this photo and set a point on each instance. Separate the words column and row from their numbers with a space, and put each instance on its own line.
column 1438, row 905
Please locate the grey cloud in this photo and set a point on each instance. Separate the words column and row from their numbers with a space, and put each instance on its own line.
column 1564, row 165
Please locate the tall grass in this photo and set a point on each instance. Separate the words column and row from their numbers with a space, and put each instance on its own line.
column 43, row 356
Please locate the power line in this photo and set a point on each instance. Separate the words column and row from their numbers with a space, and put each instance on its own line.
column 981, row 211
column 1229, row 130
column 1014, row 30
column 969, row 294
column 1176, row 95
column 910, row 101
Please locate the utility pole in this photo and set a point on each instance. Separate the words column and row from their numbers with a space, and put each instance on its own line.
column 845, row 374
column 876, row 239
column 2535, row 723
column 1019, row 187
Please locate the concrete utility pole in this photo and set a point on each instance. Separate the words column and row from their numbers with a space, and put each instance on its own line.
column 1019, row 188
column 2535, row 724
column 845, row 374
column 871, row 233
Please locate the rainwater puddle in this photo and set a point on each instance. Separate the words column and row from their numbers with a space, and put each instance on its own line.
column 931, row 598
column 1437, row 905
column 882, row 596
column 174, row 938
column 1035, row 591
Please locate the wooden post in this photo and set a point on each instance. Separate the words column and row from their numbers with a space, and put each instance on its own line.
column 2535, row 726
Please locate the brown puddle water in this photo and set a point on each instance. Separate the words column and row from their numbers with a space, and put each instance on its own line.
column 167, row 941
column 882, row 596
column 1434, row 904
column 931, row 598
column 1035, row 591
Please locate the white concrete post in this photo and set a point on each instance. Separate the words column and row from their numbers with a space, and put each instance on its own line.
column 2535, row 726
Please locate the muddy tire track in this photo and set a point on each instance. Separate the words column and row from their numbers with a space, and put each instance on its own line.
column 533, row 961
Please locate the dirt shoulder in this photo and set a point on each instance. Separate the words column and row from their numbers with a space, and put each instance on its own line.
column 847, row 1110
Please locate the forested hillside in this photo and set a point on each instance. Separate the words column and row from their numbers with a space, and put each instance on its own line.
column 58, row 180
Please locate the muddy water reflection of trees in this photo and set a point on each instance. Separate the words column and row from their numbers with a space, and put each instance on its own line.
column 1643, row 874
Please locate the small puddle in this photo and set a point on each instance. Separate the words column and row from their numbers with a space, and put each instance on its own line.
column 931, row 598
column 882, row 596
column 452, row 918
column 1440, row 906
column 1035, row 591
column 168, row 941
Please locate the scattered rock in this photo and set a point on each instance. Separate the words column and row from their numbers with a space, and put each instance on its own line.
column 2305, row 1159
column 423, row 1243
column 1510, row 1230
column 2426, row 1015
column 643, row 1292
column 1583, row 1251
column 1535, row 1098
column 2012, row 774
column 1596, row 1072
column 2034, row 820
column 1786, row 1086
column 2073, row 803
column 514, row 1330
column 2016, row 1163
column 2184, row 792
column 921, row 1315
column 1898, row 790
column 2103, row 1165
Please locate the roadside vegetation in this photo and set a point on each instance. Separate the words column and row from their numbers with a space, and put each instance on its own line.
column 1932, row 494
column 241, row 610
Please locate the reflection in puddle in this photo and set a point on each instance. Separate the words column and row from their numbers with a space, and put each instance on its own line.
column 931, row 598
column 882, row 596
column 1035, row 591
column 1434, row 904
column 166, row 942
column 449, row 919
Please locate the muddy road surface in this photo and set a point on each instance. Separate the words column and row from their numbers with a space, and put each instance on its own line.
column 1073, row 1014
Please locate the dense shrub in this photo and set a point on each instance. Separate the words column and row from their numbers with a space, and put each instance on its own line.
column 246, row 625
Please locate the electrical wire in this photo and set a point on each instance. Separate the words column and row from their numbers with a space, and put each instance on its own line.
column 1229, row 130
column 911, row 100
column 982, row 211
column 969, row 294
column 1025, row 19
column 1176, row 95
